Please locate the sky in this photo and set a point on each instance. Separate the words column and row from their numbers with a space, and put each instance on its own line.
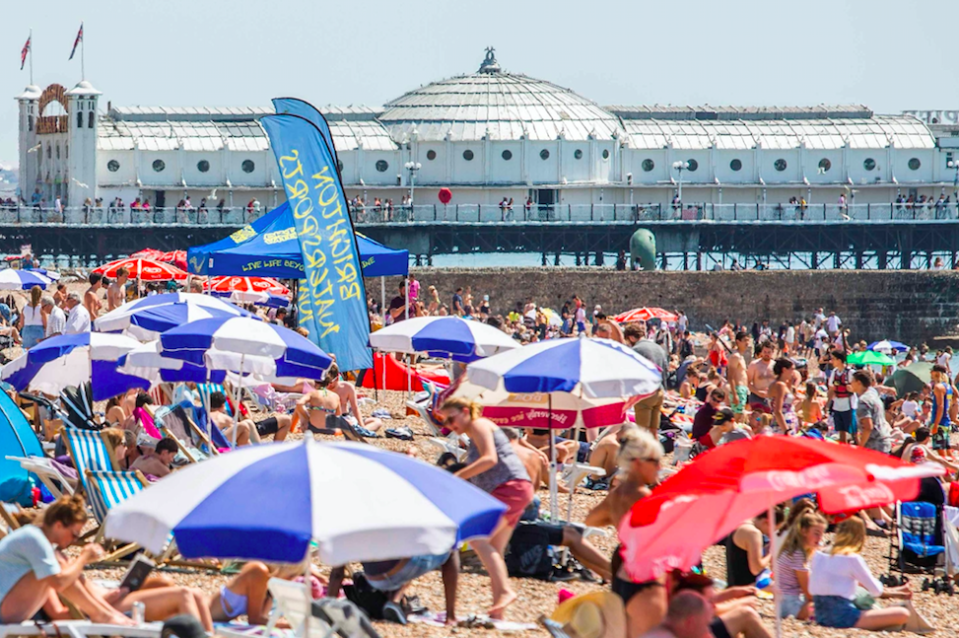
column 890, row 56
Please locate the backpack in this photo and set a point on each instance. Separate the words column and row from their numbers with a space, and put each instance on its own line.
column 685, row 349
column 365, row 597
column 528, row 554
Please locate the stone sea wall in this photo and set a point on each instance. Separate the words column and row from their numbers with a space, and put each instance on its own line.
column 910, row 306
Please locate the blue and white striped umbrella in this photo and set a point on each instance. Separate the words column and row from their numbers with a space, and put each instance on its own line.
column 888, row 346
column 443, row 336
column 148, row 362
column 213, row 342
column 11, row 279
column 159, row 313
column 268, row 502
column 69, row 360
column 596, row 368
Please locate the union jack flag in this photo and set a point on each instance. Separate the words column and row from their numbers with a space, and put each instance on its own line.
column 23, row 53
column 77, row 41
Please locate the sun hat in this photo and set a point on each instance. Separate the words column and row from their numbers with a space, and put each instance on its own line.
column 598, row 614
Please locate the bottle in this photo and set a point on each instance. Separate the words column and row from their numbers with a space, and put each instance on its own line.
column 764, row 579
column 138, row 612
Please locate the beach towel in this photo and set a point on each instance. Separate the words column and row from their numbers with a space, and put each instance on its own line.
column 146, row 422
column 438, row 619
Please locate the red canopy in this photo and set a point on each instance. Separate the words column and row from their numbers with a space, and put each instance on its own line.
column 645, row 314
column 714, row 494
column 143, row 269
column 246, row 284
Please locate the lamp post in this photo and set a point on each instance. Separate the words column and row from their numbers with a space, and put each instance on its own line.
column 953, row 164
column 412, row 167
column 680, row 166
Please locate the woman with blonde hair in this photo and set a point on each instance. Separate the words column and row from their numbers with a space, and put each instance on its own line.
column 639, row 457
column 833, row 579
column 792, row 565
column 433, row 300
column 32, row 320
column 492, row 466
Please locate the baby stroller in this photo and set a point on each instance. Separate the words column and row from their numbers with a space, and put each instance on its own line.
column 917, row 546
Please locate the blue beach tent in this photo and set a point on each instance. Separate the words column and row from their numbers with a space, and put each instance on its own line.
column 16, row 439
column 269, row 248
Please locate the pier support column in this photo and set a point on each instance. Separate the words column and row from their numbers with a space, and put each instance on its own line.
column 814, row 261
column 883, row 258
column 600, row 261
column 858, row 260
column 556, row 260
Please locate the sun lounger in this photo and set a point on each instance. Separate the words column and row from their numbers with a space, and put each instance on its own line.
column 80, row 629
column 56, row 482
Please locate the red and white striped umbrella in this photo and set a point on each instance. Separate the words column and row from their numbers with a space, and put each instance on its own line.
column 148, row 253
column 175, row 257
column 644, row 314
column 142, row 269
column 246, row 284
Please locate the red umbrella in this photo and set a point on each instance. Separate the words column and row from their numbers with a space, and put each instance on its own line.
column 143, row 269
column 246, row 284
column 645, row 314
column 175, row 257
column 148, row 253
column 711, row 496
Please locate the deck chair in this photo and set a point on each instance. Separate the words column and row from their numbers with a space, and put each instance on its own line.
column 107, row 489
column 53, row 476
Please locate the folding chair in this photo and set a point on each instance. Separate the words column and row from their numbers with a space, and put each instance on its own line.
column 105, row 490
column 77, row 404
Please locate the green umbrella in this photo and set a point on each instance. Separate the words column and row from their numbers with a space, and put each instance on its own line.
column 911, row 379
column 869, row 357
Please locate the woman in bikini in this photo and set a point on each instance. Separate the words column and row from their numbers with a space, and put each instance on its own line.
column 315, row 407
column 369, row 426
column 639, row 458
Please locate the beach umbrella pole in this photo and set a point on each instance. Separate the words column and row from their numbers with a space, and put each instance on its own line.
column 553, row 487
column 773, row 549
column 236, row 402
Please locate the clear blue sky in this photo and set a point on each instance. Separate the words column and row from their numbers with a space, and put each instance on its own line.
column 888, row 55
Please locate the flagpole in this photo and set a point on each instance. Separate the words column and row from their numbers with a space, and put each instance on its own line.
column 30, row 53
column 83, row 48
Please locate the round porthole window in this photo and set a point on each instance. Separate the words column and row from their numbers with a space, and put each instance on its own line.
column 914, row 164
column 780, row 165
column 248, row 166
column 578, row 153
column 507, row 155
column 869, row 164
column 468, row 155
column 431, row 155
column 736, row 165
column 382, row 165
column 159, row 165
column 825, row 165
column 544, row 154
column 606, row 154
column 692, row 165
column 203, row 166
column 113, row 166
column 648, row 165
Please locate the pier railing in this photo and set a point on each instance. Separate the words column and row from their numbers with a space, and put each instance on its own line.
column 494, row 213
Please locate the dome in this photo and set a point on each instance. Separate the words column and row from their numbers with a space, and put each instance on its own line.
column 502, row 105
column 83, row 89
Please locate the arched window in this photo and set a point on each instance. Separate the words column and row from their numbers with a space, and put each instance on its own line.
column 79, row 119
column 90, row 120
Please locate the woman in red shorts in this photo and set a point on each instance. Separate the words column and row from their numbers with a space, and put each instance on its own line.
column 492, row 466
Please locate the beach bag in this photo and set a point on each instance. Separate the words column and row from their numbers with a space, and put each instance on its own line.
column 953, row 498
column 528, row 554
column 365, row 597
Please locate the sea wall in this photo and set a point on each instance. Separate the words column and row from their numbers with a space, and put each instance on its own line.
column 911, row 306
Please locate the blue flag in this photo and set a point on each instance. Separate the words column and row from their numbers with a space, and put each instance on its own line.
column 332, row 299
column 296, row 106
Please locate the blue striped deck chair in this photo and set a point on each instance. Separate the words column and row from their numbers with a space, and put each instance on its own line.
column 90, row 453
column 105, row 490
column 206, row 389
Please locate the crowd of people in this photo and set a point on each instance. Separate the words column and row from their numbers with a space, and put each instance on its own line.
column 726, row 385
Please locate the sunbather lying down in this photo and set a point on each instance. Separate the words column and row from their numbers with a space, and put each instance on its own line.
column 247, row 429
column 34, row 574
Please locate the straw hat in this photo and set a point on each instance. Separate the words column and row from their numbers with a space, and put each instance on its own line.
column 598, row 614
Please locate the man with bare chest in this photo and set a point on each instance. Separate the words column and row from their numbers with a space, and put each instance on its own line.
column 759, row 377
column 736, row 376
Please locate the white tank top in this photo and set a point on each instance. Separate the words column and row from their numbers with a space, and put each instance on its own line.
column 32, row 316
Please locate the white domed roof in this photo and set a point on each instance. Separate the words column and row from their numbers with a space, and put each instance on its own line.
column 502, row 105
